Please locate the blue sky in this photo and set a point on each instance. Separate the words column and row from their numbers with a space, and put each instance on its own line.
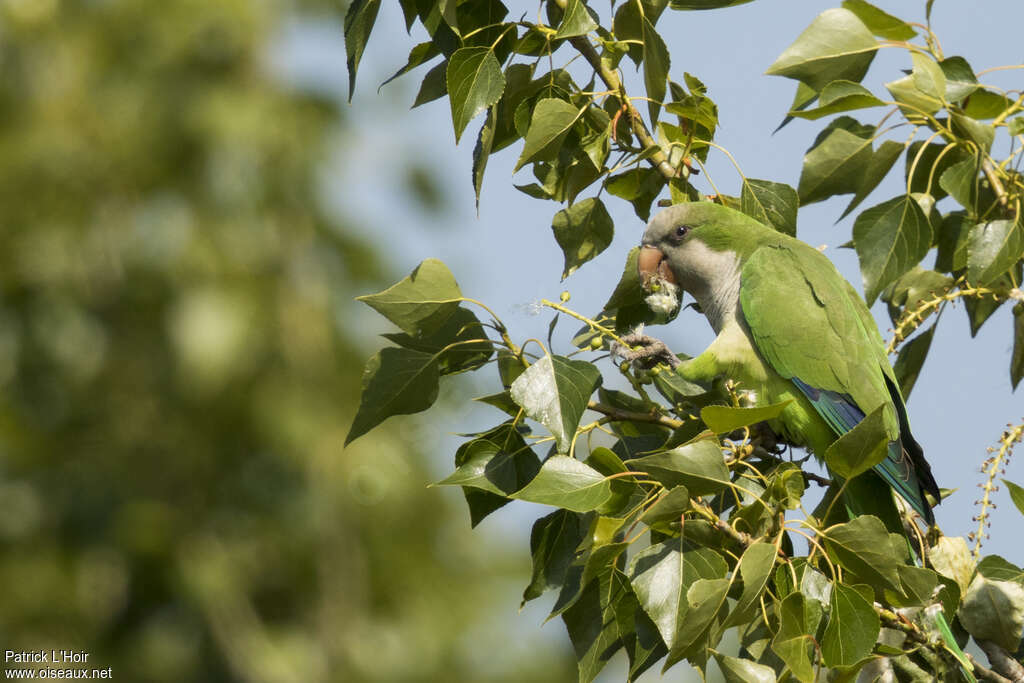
column 508, row 258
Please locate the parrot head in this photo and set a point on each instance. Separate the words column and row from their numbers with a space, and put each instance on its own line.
column 700, row 247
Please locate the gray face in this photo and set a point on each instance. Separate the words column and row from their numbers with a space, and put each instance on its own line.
column 679, row 233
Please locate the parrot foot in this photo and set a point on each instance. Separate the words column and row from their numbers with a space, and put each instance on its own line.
column 651, row 352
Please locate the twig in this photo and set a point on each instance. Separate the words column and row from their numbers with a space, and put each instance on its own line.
column 611, row 79
column 617, row 415
column 993, row 179
column 911, row 320
column 1002, row 661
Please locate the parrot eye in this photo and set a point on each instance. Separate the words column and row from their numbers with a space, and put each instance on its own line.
column 680, row 231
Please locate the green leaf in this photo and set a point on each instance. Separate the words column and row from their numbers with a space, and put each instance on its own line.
column 878, row 167
column 840, row 96
column 725, row 419
column 656, row 66
column 774, row 204
column 928, row 163
column 475, row 82
column 359, row 20
column 502, row 401
column 697, row 108
column 704, row 4
column 919, row 586
column 994, row 610
column 960, row 78
column 980, row 309
column 981, row 134
column 836, row 46
column 737, row 670
column 488, row 466
column 862, row 546
column 1016, row 494
column 890, row 239
column 460, row 342
column 552, row 118
column 787, row 485
column 999, row 569
column 794, row 641
column 928, row 76
column 705, row 599
column 567, row 483
column 658, row 579
column 434, row 85
column 1015, row 126
column 508, row 437
column 576, row 21
column 861, row 448
column 554, row 391
column 985, row 104
column 418, row 55
column 992, row 248
column 481, row 153
column 510, row 367
column 953, row 233
column 951, row 558
column 421, row 302
column 852, row 630
column 639, row 186
column 1017, row 360
column 519, row 87
column 599, row 621
column 961, row 182
column 675, row 388
column 836, row 163
column 669, row 508
column 908, row 365
column 395, row 382
column 755, row 567
column 879, row 22
column 698, row 465
column 553, row 543
column 662, row 576
column 804, row 97
column 583, row 231
column 913, row 103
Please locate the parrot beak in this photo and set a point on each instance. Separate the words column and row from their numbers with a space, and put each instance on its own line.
column 652, row 266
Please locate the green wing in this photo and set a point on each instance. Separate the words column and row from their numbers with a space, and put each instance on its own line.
column 812, row 328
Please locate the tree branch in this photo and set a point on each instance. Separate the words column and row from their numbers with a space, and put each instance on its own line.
column 617, row 415
column 1002, row 661
column 611, row 79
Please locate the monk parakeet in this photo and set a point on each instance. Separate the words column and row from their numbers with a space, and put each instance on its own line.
column 789, row 328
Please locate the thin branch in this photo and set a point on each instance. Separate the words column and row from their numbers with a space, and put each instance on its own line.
column 993, row 179
column 611, row 79
column 616, row 415
column 911, row 320
column 1002, row 661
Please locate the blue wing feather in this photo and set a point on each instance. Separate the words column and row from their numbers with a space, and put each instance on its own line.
column 842, row 415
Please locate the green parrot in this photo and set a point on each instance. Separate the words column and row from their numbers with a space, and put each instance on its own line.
column 789, row 328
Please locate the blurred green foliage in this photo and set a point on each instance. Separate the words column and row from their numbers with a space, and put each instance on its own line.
column 176, row 375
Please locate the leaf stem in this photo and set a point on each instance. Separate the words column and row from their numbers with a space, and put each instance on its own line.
column 616, row 415
column 611, row 79
column 597, row 327
column 911, row 320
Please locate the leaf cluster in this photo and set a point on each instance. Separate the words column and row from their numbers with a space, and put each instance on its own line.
column 677, row 519
column 670, row 525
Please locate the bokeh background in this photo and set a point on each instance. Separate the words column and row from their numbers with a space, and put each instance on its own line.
column 188, row 207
